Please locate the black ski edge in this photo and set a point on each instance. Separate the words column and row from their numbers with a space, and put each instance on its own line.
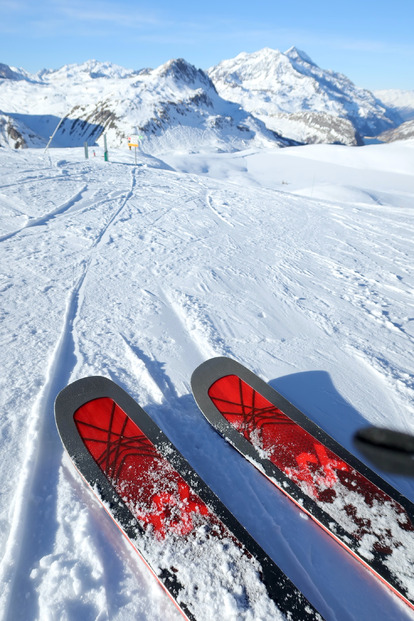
column 281, row 590
column 215, row 368
column 389, row 450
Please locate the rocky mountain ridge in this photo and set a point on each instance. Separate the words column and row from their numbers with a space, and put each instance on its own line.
column 173, row 106
column 260, row 99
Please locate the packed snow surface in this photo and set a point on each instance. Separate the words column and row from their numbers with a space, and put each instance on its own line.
column 297, row 262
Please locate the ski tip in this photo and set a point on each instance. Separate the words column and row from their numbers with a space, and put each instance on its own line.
column 213, row 363
column 213, row 368
column 71, row 394
column 69, row 399
column 86, row 382
column 391, row 451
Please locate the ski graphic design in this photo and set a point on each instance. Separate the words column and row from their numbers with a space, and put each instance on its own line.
column 181, row 530
column 362, row 512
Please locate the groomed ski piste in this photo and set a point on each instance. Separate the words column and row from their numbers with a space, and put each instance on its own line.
column 297, row 262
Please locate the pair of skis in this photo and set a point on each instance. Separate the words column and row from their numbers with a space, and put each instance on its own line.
column 198, row 551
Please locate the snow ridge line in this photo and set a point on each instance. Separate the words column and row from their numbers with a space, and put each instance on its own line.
column 44, row 219
column 42, row 431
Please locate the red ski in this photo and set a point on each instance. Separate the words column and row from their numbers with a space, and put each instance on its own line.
column 205, row 560
column 362, row 512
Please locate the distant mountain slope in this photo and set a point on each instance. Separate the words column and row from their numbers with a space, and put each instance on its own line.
column 273, row 86
column 172, row 106
column 401, row 101
column 11, row 73
column 405, row 131
column 84, row 72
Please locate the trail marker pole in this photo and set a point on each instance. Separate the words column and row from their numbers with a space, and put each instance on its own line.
column 106, row 155
column 133, row 141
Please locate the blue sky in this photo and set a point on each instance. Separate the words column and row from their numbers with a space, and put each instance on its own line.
column 370, row 41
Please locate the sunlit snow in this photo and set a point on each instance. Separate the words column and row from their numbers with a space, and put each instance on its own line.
column 297, row 262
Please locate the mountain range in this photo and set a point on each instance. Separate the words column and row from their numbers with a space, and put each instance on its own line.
column 261, row 99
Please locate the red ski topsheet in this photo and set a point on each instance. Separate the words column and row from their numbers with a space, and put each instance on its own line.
column 356, row 503
column 152, row 489
column 202, row 556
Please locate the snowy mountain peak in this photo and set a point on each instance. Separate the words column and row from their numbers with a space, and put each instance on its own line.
column 274, row 86
column 182, row 71
column 265, row 67
column 11, row 73
column 266, row 53
column 87, row 70
column 298, row 56
column 261, row 68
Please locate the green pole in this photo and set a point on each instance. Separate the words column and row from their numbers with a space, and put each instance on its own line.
column 105, row 149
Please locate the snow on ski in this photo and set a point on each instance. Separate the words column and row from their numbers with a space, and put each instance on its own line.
column 366, row 515
column 205, row 560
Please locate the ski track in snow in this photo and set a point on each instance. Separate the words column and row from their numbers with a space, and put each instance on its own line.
column 140, row 274
column 41, row 434
column 44, row 219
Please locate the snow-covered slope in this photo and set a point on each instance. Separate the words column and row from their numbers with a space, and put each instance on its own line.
column 273, row 85
column 173, row 105
column 402, row 101
column 297, row 262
